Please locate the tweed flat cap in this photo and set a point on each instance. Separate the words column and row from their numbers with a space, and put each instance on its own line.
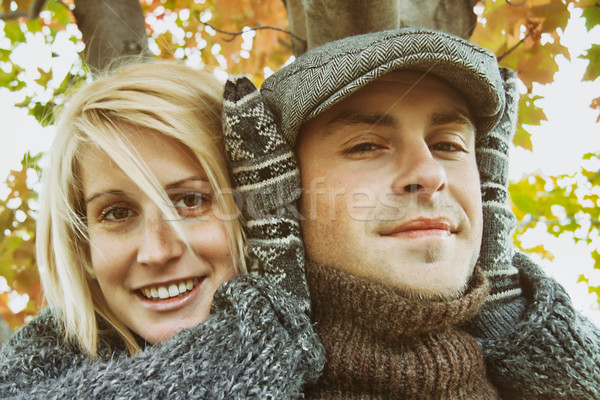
column 327, row 74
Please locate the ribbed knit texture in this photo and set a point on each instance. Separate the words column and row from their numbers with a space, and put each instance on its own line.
column 379, row 344
column 255, row 345
column 552, row 352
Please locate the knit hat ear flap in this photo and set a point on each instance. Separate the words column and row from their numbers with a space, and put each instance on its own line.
column 265, row 173
column 505, row 304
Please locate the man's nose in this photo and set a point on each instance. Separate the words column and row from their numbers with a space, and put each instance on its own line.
column 419, row 171
column 159, row 242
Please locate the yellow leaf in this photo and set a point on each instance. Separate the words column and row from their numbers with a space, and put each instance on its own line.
column 44, row 77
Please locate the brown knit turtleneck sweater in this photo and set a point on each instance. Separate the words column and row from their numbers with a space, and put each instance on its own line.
column 380, row 344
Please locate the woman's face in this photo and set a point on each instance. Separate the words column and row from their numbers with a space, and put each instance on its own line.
column 150, row 280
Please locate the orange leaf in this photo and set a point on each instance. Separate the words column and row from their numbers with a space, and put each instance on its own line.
column 596, row 106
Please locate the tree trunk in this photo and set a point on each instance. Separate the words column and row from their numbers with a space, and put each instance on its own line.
column 5, row 331
column 322, row 21
column 113, row 32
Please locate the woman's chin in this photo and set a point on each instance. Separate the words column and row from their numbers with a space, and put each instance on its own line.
column 165, row 331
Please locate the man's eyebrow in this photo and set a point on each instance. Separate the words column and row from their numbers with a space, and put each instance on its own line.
column 453, row 116
column 353, row 117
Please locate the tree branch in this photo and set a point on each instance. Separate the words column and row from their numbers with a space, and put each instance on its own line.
column 36, row 8
column 13, row 15
column 513, row 48
column 521, row 4
column 257, row 28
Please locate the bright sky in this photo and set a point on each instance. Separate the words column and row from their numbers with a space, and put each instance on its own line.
column 558, row 144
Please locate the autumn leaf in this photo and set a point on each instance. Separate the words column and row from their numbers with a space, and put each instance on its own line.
column 591, row 13
column 596, row 258
column 541, row 250
column 536, row 66
column 44, row 77
column 13, row 32
column 529, row 114
column 522, row 138
column 595, row 104
column 593, row 69
column 582, row 278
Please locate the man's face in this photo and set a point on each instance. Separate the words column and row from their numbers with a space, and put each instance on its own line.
column 391, row 186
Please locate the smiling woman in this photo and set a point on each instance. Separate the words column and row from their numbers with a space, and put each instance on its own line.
column 137, row 256
column 139, row 243
column 128, row 150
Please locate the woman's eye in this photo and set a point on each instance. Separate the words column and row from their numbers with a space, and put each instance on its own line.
column 116, row 214
column 191, row 200
column 362, row 148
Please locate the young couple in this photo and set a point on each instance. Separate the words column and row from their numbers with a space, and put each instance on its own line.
column 163, row 282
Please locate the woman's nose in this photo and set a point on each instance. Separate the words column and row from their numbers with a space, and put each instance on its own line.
column 159, row 243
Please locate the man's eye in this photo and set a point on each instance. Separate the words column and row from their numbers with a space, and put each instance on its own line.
column 117, row 214
column 362, row 148
column 448, row 147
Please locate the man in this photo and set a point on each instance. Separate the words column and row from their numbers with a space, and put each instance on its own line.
column 402, row 139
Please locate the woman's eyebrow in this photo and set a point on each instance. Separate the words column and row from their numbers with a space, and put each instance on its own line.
column 95, row 195
column 186, row 180
column 353, row 117
column 118, row 193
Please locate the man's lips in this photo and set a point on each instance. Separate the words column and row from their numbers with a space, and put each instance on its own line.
column 420, row 227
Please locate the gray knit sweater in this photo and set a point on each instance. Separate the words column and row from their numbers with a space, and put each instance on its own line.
column 552, row 352
column 256, row 344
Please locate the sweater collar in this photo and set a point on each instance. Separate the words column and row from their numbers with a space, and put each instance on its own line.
column 380, row 344
column 337, row 295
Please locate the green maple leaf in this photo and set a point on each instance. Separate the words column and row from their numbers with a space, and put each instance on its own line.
column 592, row 16
column 14, row 33
column 523, row 138
column 593, row 69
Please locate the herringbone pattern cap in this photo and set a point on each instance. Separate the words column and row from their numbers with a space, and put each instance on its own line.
column 329, row 73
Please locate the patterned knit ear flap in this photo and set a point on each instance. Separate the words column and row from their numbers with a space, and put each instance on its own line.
column 265, row 173
column 506, row 303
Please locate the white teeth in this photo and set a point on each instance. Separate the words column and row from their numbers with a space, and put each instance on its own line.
column 174, row 290
column 163, row 293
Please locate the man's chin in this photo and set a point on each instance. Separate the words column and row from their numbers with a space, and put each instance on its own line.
column 433, row 289
column 433, row 294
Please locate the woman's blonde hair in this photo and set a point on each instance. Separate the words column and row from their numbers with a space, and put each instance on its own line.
column 167, row 98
